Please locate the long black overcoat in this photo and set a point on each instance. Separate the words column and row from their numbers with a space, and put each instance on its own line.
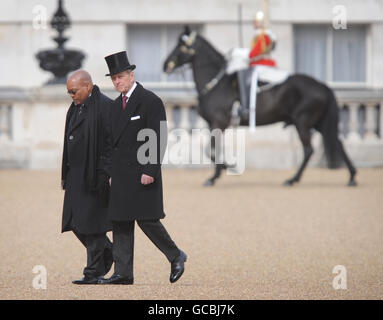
column 129, row 199
column 88, row 209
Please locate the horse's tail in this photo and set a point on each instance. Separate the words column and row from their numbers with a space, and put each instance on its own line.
column 328, row 127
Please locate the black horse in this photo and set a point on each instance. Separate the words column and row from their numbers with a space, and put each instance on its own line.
column 300, row 101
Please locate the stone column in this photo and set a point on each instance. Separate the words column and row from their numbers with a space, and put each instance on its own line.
column 370, row 133
column 5, row 117
column 184, row 121
column 353, row 134
column 169, row 116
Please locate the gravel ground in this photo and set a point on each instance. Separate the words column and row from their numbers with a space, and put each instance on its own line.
column 246, row 238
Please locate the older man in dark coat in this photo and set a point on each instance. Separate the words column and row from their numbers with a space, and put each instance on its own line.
column 85, row 173
column 136, row 186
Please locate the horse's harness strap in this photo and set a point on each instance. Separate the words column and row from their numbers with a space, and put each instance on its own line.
column 213, row 82
column 189, row 41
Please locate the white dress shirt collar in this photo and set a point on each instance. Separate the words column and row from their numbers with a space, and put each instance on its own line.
column 129, row 93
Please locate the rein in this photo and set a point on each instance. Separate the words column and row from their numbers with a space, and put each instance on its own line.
column 213, row 82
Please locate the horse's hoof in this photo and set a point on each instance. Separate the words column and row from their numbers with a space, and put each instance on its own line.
column 208, row 183
column 352, row 183
column 288, row 183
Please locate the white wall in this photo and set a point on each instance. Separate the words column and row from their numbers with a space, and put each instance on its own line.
column 99, row 28
column 133, row 11
column 376, row 66
column 315, row 11
column 98, row 41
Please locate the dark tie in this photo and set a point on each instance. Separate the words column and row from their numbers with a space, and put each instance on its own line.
column 124, row 100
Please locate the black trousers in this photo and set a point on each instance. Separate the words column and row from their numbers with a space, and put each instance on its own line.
column 99, row 253
column 123, row 243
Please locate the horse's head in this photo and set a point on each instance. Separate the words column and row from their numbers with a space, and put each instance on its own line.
column 184, row 51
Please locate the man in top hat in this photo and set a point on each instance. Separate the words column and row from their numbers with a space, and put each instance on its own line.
column 136, row 185
column 85, row 173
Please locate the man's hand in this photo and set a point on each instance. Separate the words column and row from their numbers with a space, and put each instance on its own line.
column 110, row 181
column 145, row 179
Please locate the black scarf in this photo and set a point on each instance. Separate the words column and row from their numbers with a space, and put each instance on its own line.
column 91, row 139
column 64, row 168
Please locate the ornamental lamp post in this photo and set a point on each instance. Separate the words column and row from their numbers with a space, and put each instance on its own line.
column 60, row 61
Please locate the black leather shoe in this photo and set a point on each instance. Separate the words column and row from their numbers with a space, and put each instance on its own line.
column 177, row 267
column 116, row 279
column 86, row 280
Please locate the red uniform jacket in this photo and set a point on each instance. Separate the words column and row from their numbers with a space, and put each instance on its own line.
column 262, row 45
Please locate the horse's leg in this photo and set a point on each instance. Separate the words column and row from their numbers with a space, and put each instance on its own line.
column 349, row 164
column 217, row 173
column 215, row 145
column 305, row 136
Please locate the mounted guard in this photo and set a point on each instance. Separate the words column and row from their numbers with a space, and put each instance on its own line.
column 254, row 66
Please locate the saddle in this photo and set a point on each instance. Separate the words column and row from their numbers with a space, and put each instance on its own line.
column 269, row 76
column 238, row 61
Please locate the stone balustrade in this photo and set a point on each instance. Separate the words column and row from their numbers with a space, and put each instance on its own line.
column 32, row 124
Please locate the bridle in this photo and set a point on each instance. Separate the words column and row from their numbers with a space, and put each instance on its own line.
column 189, row 41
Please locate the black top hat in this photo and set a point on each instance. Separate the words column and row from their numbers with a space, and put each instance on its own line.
column 118, row 62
